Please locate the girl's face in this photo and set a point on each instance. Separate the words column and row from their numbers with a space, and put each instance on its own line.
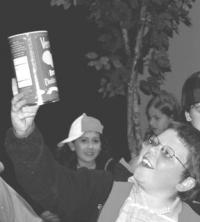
column 193, row 115
column 158, row 121
column 87, row 147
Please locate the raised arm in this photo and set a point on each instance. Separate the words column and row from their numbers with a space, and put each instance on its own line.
column 72, row 195
column 22, row 115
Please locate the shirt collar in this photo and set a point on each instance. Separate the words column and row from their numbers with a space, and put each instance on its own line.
column 138, row 196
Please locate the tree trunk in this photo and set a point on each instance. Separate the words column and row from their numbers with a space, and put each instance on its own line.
column 133, row 106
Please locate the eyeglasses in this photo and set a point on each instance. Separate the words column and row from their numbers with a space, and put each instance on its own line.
column 165, row 149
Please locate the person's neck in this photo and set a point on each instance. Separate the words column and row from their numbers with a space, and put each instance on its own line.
column 89, row 165
column 161, row 201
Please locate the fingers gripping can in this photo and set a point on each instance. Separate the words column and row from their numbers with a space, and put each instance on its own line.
column 33, row 66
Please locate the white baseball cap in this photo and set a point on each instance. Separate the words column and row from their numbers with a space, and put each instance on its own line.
column 81, row 125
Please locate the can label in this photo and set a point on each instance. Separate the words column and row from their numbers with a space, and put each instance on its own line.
column 34, row 68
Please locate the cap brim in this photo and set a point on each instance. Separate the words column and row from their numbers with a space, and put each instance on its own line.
column 67, row 140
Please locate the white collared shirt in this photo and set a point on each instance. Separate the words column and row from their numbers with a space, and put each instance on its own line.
column 135, row 208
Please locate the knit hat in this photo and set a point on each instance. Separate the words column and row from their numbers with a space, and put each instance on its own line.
column 81, row 125
column 191, row 91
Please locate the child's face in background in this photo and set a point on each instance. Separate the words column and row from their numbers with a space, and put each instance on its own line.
column 193, row 116
column 158, row 121
column 88, row 146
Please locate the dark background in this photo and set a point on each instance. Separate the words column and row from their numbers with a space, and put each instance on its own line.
column 71, row 37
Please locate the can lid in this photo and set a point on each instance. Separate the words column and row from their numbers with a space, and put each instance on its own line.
column 28, row 33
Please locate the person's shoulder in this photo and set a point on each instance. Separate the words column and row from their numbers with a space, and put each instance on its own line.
column 115, row 200
column 188, row 214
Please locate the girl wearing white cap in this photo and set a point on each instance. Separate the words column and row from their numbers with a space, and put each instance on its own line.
column 85, row 145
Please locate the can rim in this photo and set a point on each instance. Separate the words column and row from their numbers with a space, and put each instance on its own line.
column 27, row 33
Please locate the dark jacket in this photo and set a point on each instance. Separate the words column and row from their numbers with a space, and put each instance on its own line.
column 73, row 196
column 68, row 158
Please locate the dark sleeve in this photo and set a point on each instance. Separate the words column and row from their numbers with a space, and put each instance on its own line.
column 55, row 187
column 118, row 171
column 195, row 206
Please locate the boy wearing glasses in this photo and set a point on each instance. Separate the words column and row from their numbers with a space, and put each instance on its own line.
column 166, row 174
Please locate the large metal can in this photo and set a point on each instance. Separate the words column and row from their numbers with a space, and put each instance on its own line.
column 33, row 66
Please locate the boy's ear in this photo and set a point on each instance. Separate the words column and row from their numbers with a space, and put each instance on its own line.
column 187, row 116
column 71, row 146
column 186, row 184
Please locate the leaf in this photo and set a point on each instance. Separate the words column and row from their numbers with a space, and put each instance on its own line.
column 66, row 3
column 163, row 61
column 107, row 66
column 144, row 87
column 75, row 2
column 116, row 62
column 104, row 60
column 153, row 68
column 92, row 55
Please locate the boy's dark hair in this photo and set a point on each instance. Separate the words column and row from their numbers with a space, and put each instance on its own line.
column 190, row 136
column 190, row 91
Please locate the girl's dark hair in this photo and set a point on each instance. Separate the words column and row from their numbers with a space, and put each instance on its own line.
column 190, row 91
